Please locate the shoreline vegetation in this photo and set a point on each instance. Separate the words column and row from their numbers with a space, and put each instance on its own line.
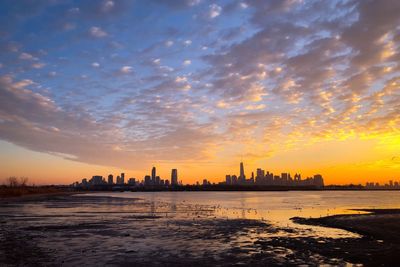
column 17, row 188
column 23, row 192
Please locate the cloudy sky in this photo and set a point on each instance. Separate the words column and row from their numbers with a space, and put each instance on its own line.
column 93, row 87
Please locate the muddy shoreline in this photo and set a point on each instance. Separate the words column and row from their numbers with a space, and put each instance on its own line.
column 68, row 230
column 380, row 228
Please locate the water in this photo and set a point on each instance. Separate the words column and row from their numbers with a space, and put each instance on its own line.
column 180, row 228
column 277, row 207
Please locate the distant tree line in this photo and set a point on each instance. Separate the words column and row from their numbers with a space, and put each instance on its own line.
column 14, row 181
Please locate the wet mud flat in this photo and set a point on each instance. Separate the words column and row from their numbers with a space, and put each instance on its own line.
column 103, row 231
column 380, row 242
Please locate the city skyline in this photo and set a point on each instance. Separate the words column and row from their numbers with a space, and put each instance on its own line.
column 259, row 178
column 197, row 85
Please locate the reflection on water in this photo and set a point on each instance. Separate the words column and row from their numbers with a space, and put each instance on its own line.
column 169, row 228
column 278, row 207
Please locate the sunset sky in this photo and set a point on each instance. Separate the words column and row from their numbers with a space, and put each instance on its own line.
column 99, row 87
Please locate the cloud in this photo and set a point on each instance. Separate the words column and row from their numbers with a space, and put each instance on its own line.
column 107, row 6
column 214, row 11
column 282, row 72
column 41, row 125
column 243, row 5
column 169, row 43
column 95, row 65
column 187, row 62
column 97, row 32
column 52, row 73
column 255, row 107
column 38, row 65
column 126, row 69
column 26, row 56
column 179, row 3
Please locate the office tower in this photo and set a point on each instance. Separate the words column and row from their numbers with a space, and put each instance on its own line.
column 96, row 180
column 122, row 178
column 147, row 180
column 174, row 177
column 110, row 179
column 318, row 180
column 260, row 176
column 157, row 182
column 234, row 179
column 242, row 177
column 132, row 181
column 228, row 179
column 153, row 175
column 252, row 178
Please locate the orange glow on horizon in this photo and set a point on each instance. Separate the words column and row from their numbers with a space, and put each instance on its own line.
column 351, row 159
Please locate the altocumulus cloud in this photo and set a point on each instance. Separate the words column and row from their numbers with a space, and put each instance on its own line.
column 278, row 73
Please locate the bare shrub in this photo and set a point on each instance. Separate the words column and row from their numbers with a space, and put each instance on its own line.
column 13, row 181
column 23, row 181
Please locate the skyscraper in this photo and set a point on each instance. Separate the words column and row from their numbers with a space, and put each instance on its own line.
column 122, row 178
column 242, row 177
column 153, row 175
column 174, row 177
column 318, row 180
column 147, row 180
column 228, row 179
column 110, row 179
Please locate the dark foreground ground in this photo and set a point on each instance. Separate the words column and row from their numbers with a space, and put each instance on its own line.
column 379, row 225
column 100, row 231
column 18, row 192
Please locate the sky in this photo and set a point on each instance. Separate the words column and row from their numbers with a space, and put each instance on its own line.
column 99, row 87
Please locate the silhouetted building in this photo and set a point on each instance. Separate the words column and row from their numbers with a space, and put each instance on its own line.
column 242, row 176
column 147, row 180
column 96, row 180
column 110, row 179
column 234, row 179
column 174, row 177
column 132, row 181
column 318, row 180
column 122, row 178
column 153, row 175
column 260, row 177
column 228, row 179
